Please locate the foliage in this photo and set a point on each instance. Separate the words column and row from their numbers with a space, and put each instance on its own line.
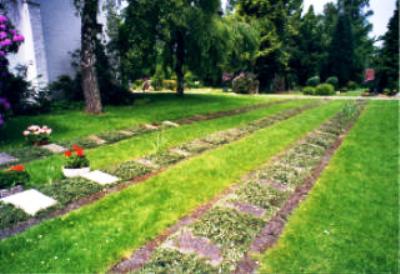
column 309, row 90
column 169, row 84
column 333, row 80
column 13, row 176
column 28, row 153
column 10, row 215
column 351, row 85
column 76, row 158
column 388, row 57
column 313, row 81
column 129, row 170
column 325, row 89
column 245, row 83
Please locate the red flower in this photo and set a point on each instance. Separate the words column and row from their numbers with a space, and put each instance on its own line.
column 68, row 154
column 18, row 168
column 79, row 152
column 76, row 148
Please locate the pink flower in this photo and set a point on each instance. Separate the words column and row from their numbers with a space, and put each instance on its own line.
column 6, row 43
column 3, row 35
column 18, row 38
column 3, row 19
column 2, row 53
column 26, row 133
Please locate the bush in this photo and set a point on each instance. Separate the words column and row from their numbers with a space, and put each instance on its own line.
column 309, row 91
column 68, row 88
column 313, row 81
column 14, row 176
column 245, row 83
column 170, row 84
column 333, row 80
column 352, row 85
column 325, row 89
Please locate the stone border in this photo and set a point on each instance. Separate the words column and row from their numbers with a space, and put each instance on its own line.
column 278, row 117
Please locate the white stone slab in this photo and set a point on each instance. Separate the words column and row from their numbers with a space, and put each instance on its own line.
column 170, row 124
column 97, row 140
column 147, row 163
column 31, row 201
column 54, row 148
column 150, row 127
column 181, row 152
column 126, row 132
column 7, row 159
column 100, row 177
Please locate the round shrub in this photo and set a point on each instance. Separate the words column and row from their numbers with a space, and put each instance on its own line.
column 313, row 81
column 334, row 81
column 352, row 85
column 245, row 83
column 325, row 89
column 309, row 91
column 170, row 84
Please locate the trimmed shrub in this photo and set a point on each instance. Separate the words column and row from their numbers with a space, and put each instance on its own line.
column 352, row 85
column 309, row 90
column 333, row 80
column 325, row 89
column 313, row 81
column 245, row 83
column 170, row 84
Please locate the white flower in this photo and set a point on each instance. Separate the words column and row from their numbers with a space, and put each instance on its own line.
column 33, row 128
column 26, row 133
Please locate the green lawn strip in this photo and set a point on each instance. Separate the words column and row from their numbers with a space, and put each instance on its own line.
column 94, row 237
column 72, row 124
column 49, row 169
column 349, row 223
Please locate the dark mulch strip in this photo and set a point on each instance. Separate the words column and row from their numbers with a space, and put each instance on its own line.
column 272, row 231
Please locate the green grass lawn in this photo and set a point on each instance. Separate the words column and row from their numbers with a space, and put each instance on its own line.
column 95, row 237
column 49, row 169
column 350, row 221
column 71, row 124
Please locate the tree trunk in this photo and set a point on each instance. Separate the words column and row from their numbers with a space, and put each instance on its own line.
column 180, row 59
column 88, row 58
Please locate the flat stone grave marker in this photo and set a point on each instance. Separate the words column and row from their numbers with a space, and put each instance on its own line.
column 181, row 152
column 170, row 124
column 100, row 177
column 7, row 159
column 54, row 148
column 150, row 127
column 146, row 163
column 31, row 201
column 97, row 140
column 126, row 132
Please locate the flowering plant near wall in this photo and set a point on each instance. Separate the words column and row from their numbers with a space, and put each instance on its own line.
column 76, row 158
column 10, row 40
column 36, row 135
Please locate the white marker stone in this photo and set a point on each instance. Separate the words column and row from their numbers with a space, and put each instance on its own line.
column 150, row 127
column 181, row 152
column 126, row 132
column 7, row 159
column 31, row 201
column 97, row 140
column 170, row 124
column 54, row 148
column 100, row 177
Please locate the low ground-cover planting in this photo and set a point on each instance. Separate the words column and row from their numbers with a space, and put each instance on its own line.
column 349, row 223
column 127, row 219
column 48, row 170
column 70, row 124
column 69, row 190
column 225, row 232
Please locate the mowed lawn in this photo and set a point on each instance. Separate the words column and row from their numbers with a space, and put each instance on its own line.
column 350, row 221
column 71, row 124
column 97, row 236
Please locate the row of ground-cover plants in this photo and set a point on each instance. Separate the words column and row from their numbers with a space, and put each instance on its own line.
column 29, row 153
column 96, row 236
column 48, row 170
column 69, row 190
column 72, row 124
column 222, row 236
column 350, row 222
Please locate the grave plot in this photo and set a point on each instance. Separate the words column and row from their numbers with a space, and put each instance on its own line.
column 134, row 169
column 217, row 241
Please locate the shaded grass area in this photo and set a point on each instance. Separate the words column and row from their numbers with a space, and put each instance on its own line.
column 94, row 237
column 49, row 169
column 71, row 124
column 349, row 223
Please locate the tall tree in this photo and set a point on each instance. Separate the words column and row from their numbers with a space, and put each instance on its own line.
column 90, row 28
column 341, row 51
column 389, row 55
column 178, row 30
